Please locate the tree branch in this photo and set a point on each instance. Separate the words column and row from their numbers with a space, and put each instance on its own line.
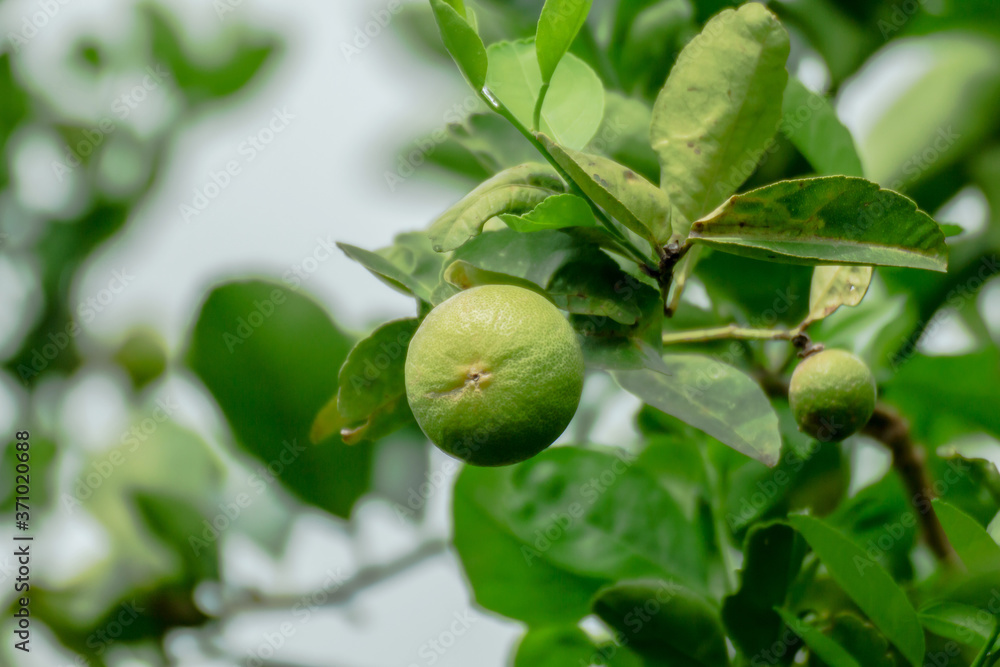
column 891, row 429
column 344, row 592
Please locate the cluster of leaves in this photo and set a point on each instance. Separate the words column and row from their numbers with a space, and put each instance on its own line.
column 152, row 490
column 629, row 194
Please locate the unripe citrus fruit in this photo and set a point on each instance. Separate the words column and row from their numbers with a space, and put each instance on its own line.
column 832, row 395
column 494, row 375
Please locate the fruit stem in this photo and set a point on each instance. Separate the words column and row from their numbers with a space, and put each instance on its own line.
column 729, row 332
column 494, row 103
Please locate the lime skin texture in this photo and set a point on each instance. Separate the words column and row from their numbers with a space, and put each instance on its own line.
column 832, row 395
column 494, row 375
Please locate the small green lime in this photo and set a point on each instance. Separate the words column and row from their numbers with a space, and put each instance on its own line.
column 832, row 395
column 494, row 375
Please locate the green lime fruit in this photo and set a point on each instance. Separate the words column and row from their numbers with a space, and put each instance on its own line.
column 494, row 375
column 832, row 395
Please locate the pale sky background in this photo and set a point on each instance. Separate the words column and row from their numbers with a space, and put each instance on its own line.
column 322, row 177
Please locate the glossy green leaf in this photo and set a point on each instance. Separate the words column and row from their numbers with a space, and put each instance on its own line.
column 516, row 190
column 556, row 212
column 371, row 397
column 871, row 587
column 593, row 286
column 535, row 257
column 555, row 647
column 558, row 26
column 713, row 397
column 834, row 286
column 971, row 541
column 664, row 620
column 720, row 108
column 772, row 558
column 464, row 275
column 462, row 41
column 832, row 653
column 811, row 124
column 862, row 640
column 627, row 196
column 537, row 537
column 413, row 253
column 957, row 621
column 270, row 356
column 386, row 271
column 574, row 103
column 828, row 220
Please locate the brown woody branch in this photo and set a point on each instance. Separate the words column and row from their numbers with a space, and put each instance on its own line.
column 891, row 429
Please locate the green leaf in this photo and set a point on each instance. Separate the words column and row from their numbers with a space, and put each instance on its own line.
column 383, row 269
column 829, row 651
column 719, row 108
column 555, row 647
column 835, row 286
column 462, row 41
column 664, row 620
column 713, row 397
column 828, row 220
column 535, row 257
column 539, row 538
column 862, row 641
column 412, row 252
column 371, row 397
column 574, row 103
column 871, row 587
column 772, row 558
column 464, row 275
column 957, row 621
column 558, row 26
column 270, row 356
column 971, row 541
column 932, row 391
column 515, row 190
column 556, row 212
column 593, row 286
column 810, row 123
column 627, row 196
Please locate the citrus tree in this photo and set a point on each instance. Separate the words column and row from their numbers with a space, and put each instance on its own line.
column 716, row 248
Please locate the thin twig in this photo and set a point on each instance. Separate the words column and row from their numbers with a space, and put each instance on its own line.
column 729, row 332
column 343, row 593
